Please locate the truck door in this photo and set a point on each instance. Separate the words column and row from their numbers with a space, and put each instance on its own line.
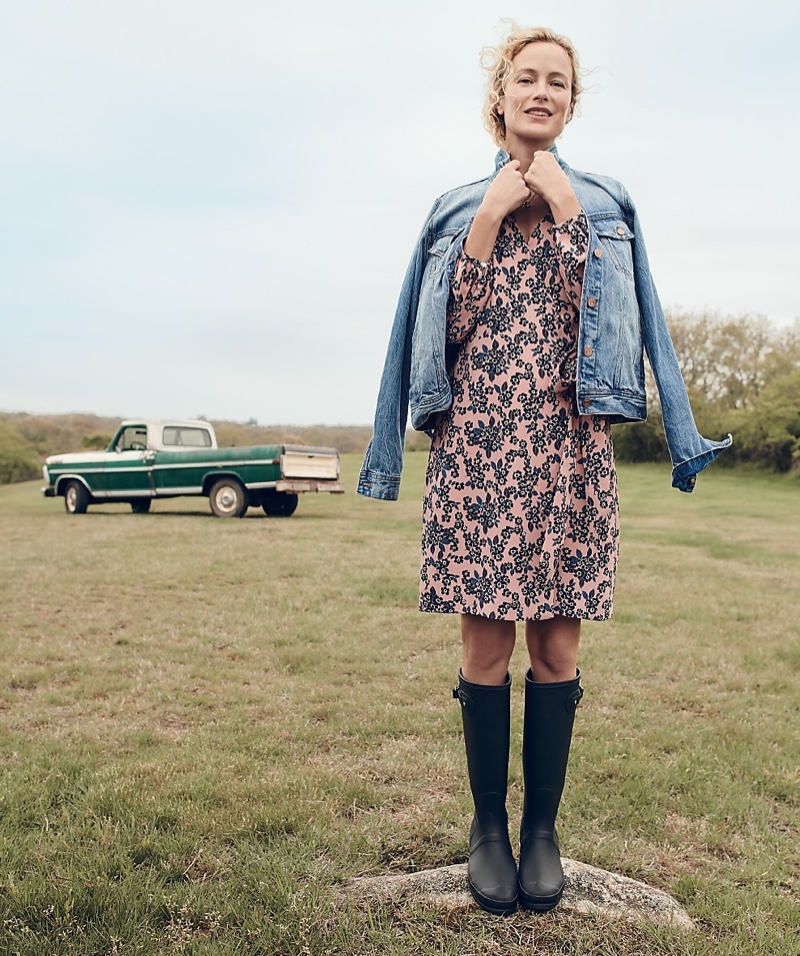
column 128, row 471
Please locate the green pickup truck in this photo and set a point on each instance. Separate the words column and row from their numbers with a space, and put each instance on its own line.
column 147, row 460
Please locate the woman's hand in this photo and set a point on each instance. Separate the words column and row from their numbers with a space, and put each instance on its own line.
column 507, row 192
column 548, row 180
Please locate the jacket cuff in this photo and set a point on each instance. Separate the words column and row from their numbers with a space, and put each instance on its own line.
column 374, row 484
column 684, row 474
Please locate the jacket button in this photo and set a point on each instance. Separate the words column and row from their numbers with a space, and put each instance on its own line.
column 598, row 253
column 591, row 302
column 620, row 231
column 587, row 351
column 586, row 402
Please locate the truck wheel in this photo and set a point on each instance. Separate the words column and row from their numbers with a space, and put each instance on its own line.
column 228, row 499
column 140, row 506
column 76, row 498
column 281, row 504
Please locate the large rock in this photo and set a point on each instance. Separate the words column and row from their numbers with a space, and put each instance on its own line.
column 587, row 890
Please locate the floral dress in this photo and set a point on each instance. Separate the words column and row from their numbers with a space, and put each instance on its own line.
column 520, row 514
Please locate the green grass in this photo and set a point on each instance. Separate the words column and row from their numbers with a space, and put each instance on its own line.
column 208, row 725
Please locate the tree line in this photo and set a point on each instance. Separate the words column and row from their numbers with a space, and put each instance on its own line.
column 742, row 374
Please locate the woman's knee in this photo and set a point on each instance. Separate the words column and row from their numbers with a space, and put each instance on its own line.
column 553, row 648
column 487, row 646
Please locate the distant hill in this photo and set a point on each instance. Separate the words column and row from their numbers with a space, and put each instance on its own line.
column 26, row 440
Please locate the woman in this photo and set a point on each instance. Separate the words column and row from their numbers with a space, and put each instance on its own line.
column 518, row 340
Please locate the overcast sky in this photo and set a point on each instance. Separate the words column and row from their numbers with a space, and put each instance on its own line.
column 208, row 207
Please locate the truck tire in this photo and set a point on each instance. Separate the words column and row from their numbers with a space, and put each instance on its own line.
column 76, row 498
column 140, row 506
column 228, row 498
column 280, row 504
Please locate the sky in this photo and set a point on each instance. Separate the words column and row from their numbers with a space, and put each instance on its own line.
column 207, row 207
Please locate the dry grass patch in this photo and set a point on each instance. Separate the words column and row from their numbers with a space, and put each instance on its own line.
column 210, row 724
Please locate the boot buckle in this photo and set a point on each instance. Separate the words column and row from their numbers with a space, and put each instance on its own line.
column 464, row 699
column 571, row 703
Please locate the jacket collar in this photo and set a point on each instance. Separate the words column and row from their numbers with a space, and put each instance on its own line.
column 502, row 158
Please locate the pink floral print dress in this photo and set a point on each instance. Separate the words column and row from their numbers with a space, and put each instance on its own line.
column 520, row 514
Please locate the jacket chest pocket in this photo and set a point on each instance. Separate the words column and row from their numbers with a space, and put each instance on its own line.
column 616, row 241
column 439, row 254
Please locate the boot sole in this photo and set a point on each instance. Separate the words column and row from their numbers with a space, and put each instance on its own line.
column 495, row 907
column 539, row 904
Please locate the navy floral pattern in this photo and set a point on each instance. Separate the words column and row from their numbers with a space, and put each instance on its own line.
column 520, row 515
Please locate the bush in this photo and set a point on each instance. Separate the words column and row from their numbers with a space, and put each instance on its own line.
column 641, row 441
column 18, row 458
column 768, row 434
column 98, row 441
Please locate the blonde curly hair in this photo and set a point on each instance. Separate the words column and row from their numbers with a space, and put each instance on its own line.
column 497, row 63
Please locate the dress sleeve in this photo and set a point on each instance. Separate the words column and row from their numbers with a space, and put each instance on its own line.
column 572, row 238
column 469, row 294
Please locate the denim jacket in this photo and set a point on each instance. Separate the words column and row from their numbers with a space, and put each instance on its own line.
column 620, row 319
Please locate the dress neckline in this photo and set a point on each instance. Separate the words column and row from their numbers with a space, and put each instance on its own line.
column 547, row 217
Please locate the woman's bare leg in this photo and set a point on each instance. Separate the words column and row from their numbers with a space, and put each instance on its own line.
column 553, row 648
column 486, row 646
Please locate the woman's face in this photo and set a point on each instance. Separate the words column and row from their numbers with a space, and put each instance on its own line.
column 537, row 102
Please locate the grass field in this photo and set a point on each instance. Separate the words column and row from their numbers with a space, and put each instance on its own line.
column 208, row 725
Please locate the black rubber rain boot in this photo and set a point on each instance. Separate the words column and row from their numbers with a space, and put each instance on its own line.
column 492, row 872
column 547, row 733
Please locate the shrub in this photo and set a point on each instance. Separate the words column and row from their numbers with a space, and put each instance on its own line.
column 18, row 458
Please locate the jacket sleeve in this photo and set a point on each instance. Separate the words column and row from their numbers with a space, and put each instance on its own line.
column 383, row 461
column 689, row 452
